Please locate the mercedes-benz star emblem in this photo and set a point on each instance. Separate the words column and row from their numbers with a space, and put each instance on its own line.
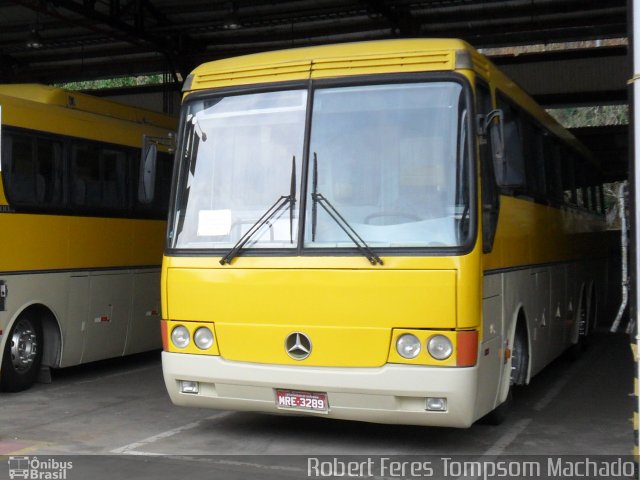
column 298, row 346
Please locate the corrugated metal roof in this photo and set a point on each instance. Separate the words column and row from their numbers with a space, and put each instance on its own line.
column 99, row 39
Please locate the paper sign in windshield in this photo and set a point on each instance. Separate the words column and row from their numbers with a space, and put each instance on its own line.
column 213, row 223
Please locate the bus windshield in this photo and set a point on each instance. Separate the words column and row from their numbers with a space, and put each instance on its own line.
column 391, row 161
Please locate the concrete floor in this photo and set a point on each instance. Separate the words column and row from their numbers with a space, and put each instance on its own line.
column 120, row 411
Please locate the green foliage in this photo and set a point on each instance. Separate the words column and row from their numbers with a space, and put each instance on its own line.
column 591, row 116
column 112, row 83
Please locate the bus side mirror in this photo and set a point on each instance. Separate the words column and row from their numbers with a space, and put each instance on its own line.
column 147, row 179
column 495, row 131
column 509, row 172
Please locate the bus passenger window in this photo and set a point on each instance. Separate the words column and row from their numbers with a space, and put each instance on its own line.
column 553, row 170
column 510, row 171
column 85, row 171
column 534, row 160
column 160, row 204
column 581, row 184
column 49, row 188
column 164, row 169
column 34, row 170
column 592, row 192
column 598, row 198
column 114, row 178
column 568, row 177
column 490, row 196
column 18, row 152
column 592, row 198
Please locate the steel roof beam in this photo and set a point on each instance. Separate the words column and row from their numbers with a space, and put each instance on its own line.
column 97, row 21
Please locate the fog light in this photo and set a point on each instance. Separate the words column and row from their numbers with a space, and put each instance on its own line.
column 440, row 347
column 203, row 338
column 189, row 387
column 408, row 345
column 180, row 336
column 436, row 404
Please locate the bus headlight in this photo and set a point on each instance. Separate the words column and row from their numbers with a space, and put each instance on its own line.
column 180, row 336
column 203, row 338
column 408, row 345
column 439, row 347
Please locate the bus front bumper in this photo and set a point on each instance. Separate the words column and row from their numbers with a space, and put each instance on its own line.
column 389, row 394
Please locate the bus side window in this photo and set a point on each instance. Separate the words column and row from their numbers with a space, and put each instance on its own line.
column 490, row 196
column 49, row 172
column 19, row 167
column 33, row 170
column 553, row 170
column 85, row 175
column 581, row 183
column 113, row 164
column 568, row 177
column 594, row 192
column 534, row 159
column 164, row 170
column 593, row 202
column 510, row 172
column 601, row 205
column 159, row 205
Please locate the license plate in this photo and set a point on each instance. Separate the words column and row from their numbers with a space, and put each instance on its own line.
column 305, row 401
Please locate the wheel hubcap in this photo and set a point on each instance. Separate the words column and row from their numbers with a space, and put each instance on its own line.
column 582, row 322
column 515, row 365
column 24, row 346
column 517, row 361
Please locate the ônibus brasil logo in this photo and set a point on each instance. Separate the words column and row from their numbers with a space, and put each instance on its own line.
column 35, row 469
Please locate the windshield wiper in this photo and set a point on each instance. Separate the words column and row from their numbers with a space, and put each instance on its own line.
column 268, row 215
column 319, row 199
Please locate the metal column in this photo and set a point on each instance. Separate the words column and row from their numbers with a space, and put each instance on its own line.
column 635, row 140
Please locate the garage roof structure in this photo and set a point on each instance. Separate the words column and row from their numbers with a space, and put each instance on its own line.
column 72, row 40
column 68, row 40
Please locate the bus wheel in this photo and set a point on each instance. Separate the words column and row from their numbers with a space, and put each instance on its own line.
column 499, row 414
column 576, row 350
column 519, row 365
column 22, row 355
column 519, row 357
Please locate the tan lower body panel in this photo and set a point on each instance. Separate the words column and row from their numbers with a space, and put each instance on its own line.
column 388, row 394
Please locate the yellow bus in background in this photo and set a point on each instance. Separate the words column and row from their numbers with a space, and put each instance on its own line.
column 385, row 231
column 82, row 218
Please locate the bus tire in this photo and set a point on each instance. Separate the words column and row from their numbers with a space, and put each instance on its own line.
column 22, row 354
column 499, row 414
column 519, row 366
column 519, row 356
column 576, row 350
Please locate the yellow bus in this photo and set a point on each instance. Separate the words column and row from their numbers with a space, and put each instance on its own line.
column 82, row 217
column 385, row 231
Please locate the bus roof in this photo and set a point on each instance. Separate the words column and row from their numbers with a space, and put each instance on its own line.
column 357, row 58
column 366, row 58
column 66, row 99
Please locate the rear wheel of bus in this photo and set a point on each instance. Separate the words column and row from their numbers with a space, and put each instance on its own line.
column 22, row 354
column 584, row 326
column 519, row 367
